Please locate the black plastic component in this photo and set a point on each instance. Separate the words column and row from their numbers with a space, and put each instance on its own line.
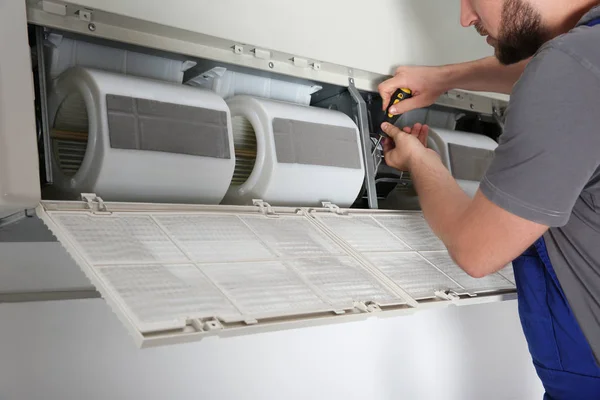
column 398, row 96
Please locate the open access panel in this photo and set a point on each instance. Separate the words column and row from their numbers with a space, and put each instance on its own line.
column 178, row 273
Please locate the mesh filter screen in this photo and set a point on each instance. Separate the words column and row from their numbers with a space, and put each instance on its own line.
column 164, row 270
column 342, row 281
column 404, row 248
column 364, row 233
column 442, row 260
column 414, row 274
column 168, row 268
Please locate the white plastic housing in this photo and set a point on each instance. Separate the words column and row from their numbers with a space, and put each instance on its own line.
column 228, row 84
column 416, row 32
column 64, row 53
column 481, row 147
column 19, row 172
column 139, row 175
column 295, row 184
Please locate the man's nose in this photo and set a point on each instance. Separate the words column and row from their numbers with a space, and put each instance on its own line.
column 468, row 17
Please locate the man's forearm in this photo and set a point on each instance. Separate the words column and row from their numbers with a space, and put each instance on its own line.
column 484, row 75
column 443, row 202
column 469, row 228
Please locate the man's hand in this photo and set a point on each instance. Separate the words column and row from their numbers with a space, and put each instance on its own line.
column 426, row 83
column 429, row 83
column 403, row 146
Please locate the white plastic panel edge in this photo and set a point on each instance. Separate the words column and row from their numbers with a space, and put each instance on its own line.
column 233, row 329
column 19, row 173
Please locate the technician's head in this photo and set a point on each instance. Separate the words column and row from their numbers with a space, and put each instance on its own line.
column 518, row 28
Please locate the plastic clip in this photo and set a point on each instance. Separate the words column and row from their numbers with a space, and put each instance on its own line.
column 94, row 203
column 264, row 207
column 333, row 208
column 447, row 295
column 368, row 307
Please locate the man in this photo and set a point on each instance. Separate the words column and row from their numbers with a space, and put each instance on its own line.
column 539, row 202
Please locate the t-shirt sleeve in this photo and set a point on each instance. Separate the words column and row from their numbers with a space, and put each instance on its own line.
column 550, row 147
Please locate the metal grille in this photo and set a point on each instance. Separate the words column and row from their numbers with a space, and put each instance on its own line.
column 70, row 134
column 244, row 142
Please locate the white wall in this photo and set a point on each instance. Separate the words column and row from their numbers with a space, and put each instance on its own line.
column 78, row 350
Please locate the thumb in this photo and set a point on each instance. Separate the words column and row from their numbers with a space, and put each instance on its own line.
column 407, row 105
column 386, row 90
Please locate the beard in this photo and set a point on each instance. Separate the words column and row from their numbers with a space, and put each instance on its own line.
column 521, row 33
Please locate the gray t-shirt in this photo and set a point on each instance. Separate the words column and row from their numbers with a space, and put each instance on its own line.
column 547, row 166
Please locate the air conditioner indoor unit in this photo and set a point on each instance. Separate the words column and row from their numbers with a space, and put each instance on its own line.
column 246, row 204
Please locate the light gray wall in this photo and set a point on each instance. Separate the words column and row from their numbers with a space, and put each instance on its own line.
column 38, row 267
column 78, row 350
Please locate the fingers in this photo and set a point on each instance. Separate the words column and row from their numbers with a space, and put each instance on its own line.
column 419, row 131
column 388, row 145
column 391, row 130
column 387, row 88
column 416, row 129
column 406, row 105
column 424, row 135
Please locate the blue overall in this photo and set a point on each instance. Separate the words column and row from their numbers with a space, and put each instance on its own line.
column 561, row 354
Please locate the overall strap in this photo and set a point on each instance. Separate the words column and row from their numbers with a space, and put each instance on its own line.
column 594, row 22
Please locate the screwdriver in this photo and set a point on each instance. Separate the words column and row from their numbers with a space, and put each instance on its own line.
column 398, row 96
